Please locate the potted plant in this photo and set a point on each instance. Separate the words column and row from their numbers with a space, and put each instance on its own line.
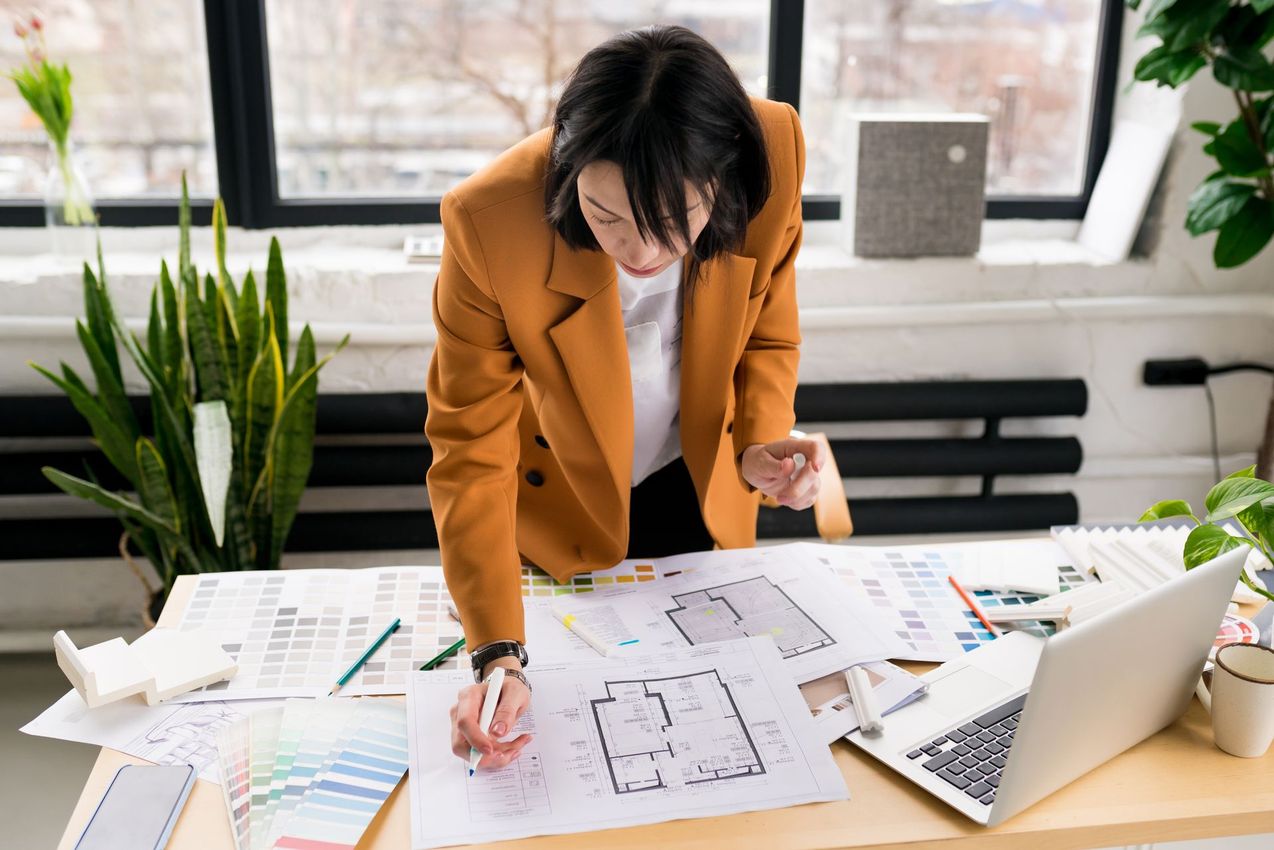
column 217, row 481
column 1239, row 496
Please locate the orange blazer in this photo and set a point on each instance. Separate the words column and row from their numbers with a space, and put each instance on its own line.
column 530, row 400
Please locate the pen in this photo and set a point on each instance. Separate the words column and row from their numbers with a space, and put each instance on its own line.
column 973, row 606
column 443, row 656
column 494, row 682
column 349, row 674
column 864, row 699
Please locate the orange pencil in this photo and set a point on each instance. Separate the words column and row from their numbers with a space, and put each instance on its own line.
column 973, row 606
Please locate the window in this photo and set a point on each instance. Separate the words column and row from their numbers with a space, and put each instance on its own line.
column 140, row 88
column 403, row 97
column 313, row 112
column 1028, row 66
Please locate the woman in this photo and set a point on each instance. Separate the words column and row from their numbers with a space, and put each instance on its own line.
column 617, row 342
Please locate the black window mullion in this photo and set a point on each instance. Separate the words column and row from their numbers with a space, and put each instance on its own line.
column 787, row 29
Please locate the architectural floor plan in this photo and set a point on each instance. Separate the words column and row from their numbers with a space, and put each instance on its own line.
column 748, row 608
column 680, row 730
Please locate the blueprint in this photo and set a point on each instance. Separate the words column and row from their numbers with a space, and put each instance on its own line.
column 620, row 741
column 818, row 625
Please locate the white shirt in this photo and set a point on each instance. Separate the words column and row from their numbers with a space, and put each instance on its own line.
column 651, row 308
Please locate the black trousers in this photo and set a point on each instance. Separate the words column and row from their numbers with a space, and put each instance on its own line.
column 664, row 517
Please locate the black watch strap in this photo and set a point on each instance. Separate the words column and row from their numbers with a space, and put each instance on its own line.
column 492, row 651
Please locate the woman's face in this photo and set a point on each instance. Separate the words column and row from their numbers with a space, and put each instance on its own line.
column 603, row 200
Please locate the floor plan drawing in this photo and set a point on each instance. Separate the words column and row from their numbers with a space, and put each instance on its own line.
column 748, row 608
column 671, row 732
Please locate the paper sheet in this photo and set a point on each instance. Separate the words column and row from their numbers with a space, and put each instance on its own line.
column 817, row 624
column 711, row 730
column 170, row 733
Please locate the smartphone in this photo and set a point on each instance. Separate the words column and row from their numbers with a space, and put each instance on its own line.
column 139, row 808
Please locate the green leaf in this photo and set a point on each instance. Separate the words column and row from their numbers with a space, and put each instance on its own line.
column 174, row 359
column 1185, row 23
column 114, row 442
column 1244, row 235
column 209, row 368
column 1258, row 519
column 153, row 486
column 183, row 227
column 1209, row 541
column 293, row 449
column 1243, row 69
column 1231, row 495
column 1244, row 28
column 97, row 313
column 1214, row 203
column 1245, row 472
column 1156, row 8
column 249, row 321
column 1167, row 508
column 110, row 391
column 155, row 331
column 1262, row 6
column 114, row 501
column 1168, row 67
column 1235, row 151
column 265, row 382
column 1207, row 128
column 276, row 296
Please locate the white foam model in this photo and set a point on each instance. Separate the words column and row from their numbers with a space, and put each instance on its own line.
column 159, row 665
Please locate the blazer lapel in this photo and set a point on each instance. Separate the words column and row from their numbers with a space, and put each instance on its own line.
column 712, row 328
column 594, row 352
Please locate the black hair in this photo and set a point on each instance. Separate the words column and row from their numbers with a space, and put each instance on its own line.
column 663, row 104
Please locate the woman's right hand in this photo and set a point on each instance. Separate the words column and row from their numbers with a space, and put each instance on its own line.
column 465, row 732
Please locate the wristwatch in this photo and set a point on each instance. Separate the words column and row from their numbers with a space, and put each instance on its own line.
column 492, row 651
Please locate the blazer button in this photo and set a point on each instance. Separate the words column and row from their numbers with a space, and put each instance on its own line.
column 534, row 478
column 541, row 442
column 729, row 428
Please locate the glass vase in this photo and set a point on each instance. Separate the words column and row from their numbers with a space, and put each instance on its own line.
column 68, row 205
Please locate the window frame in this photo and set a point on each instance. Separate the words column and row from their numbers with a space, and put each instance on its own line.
column 243, row 131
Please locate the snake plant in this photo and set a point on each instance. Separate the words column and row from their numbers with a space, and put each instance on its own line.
column 216, row 484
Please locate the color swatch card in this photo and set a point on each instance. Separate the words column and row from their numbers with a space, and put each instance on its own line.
column 311, row 773
column 293, row 633
column 909, row 587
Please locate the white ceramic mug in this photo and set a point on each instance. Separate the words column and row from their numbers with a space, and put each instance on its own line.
column 1242, row 699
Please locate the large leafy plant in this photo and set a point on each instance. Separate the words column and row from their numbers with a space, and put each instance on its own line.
column 1237, row 200
column 217, row 484
column 1240, row 497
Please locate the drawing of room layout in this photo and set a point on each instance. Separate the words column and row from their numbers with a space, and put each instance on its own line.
column 667, row 733
column 755, row 606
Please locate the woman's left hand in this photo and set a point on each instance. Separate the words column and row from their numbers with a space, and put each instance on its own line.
column 768, row 467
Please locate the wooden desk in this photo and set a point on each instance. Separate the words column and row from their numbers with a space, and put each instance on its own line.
column 1173, row 786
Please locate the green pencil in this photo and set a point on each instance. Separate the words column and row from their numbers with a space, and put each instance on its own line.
column 443, row 656
column 340, row 683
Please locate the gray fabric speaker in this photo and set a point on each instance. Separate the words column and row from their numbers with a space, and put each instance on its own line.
column 915, row 185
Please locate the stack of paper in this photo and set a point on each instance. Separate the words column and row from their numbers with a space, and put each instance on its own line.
column 311, row 773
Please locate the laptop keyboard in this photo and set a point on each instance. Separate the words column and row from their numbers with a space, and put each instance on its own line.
column 971, row 757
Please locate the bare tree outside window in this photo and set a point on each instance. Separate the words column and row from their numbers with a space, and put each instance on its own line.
column 140, row 88
column 1028, row 65
column 408, row 97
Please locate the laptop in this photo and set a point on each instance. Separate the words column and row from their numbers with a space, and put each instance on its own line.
column 1010, row 722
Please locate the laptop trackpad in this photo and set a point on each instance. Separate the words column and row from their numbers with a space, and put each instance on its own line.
column 964, row 691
